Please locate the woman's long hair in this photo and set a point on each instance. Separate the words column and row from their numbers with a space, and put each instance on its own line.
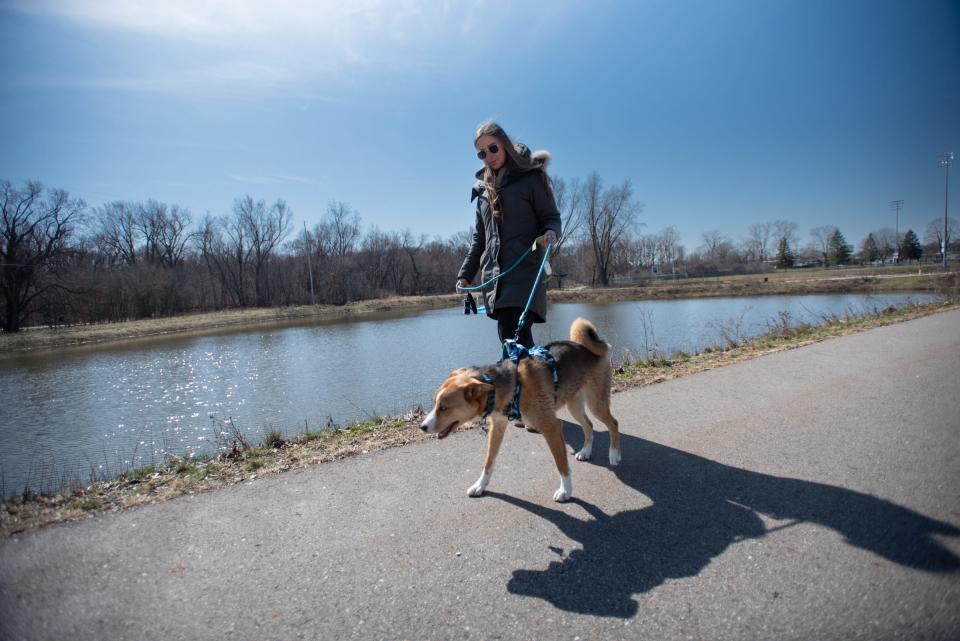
column 518, row 161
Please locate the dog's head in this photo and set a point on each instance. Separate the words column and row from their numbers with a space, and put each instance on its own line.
column 459, row 399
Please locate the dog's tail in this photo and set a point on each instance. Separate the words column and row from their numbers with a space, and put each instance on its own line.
column 583, row 332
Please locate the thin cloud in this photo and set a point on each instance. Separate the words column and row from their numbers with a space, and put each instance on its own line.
column 238, row 44
column 291, row 46
column 274, row 180
column 353, row 31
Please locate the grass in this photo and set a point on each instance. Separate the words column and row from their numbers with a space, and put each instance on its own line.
column 273, row 440
column 240, row 461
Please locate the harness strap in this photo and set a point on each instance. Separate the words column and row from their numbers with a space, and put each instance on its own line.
column 517, row 352
column 541, row 352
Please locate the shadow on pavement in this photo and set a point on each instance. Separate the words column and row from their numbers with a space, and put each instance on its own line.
column 699, row 508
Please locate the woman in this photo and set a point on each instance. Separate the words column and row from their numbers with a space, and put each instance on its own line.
column 515, row 206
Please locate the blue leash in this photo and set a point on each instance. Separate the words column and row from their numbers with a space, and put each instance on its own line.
column 533, row 290
column 514, row 350
column 536, row 283
column 477, row 288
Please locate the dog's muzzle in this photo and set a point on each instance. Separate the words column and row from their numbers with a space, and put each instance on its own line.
column 429, row 422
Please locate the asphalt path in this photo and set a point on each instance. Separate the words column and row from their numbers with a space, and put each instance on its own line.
column 809, row 494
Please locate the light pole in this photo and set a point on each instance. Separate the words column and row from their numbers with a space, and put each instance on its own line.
column 897, row 205
column 946, row 159
column 306, row 244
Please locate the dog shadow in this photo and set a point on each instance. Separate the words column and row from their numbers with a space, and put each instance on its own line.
column 700, row 507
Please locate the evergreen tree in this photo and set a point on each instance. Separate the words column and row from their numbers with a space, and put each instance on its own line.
column 838, row 251
column 870, row 251
column 910, row 248
column 784, row 255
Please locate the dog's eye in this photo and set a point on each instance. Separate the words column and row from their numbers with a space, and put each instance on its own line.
column 443, row 408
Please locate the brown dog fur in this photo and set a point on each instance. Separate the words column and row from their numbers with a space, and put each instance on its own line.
column 585, row 379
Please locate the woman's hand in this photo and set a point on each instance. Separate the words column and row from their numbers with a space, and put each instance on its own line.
column 549, row 237
column 461, row 282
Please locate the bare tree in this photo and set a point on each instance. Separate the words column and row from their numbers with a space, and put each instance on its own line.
column 569, row 197
column 344, row 228
column 378, row 259
column 34, row 232
column 173, row 236
column 238, row 249
column 212, row 247
column 412, row 247
column 821, row 240
column 262, row 228
column 758, row 240
column 150, row 222
column 608, row 216
column 115, row 231
column 933, row 234
column 716, row 246
column 787, row 229
column 886, row 239
column 668, row 246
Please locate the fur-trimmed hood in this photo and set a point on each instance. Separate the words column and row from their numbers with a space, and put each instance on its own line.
column 539, row 158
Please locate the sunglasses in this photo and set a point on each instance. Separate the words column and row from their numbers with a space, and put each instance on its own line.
column 494, row 148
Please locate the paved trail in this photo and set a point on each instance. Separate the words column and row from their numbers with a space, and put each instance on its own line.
column 810, row 494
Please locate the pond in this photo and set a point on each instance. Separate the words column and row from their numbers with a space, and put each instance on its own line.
column 78, row 414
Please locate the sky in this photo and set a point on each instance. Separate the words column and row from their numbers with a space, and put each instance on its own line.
column 721, row 113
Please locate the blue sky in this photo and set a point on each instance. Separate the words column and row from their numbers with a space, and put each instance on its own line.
column 721, row 113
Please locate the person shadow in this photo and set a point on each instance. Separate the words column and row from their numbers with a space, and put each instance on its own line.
column 700, row 507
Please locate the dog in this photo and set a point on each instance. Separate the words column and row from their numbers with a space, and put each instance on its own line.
column 584, row 380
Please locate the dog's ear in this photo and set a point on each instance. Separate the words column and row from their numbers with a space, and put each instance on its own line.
column 476, row 390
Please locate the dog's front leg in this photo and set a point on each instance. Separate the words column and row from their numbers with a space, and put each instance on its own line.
column 496, row 429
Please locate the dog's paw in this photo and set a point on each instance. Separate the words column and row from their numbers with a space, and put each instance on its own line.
column 478, row 488
column 565, row 491
column 585, row 454
column 614, row 457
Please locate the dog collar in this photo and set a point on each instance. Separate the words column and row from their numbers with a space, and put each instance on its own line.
column 490, row 395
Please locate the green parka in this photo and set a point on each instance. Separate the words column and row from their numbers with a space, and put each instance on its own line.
column 528, row 212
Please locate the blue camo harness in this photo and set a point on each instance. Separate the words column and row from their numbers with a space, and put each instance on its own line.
column 517, row 352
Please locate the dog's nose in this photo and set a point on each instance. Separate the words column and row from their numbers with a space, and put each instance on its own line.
column 423, row 426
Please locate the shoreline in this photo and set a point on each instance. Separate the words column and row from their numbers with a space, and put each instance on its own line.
column 244, row 462
column 855, row 281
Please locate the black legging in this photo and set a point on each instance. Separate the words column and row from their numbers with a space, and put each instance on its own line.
column 507, row 319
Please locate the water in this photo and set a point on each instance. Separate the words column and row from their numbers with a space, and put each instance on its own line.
column 82, row 413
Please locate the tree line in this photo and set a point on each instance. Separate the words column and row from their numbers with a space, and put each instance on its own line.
column 62, row 262
column 779, row 242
